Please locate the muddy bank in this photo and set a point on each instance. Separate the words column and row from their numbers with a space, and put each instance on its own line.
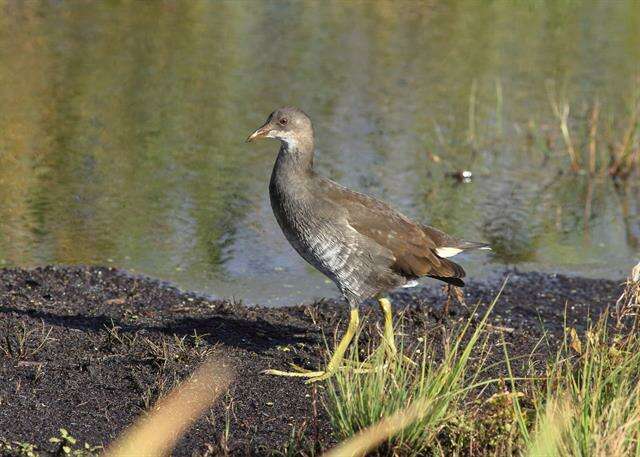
column 89, row 349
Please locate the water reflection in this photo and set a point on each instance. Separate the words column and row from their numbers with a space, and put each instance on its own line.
column 122, row 126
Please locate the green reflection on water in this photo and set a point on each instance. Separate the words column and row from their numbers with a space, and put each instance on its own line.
column 122, row 128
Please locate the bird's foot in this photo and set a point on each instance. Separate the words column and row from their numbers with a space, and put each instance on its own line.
column 320, row 375
column 312, row 376
column 295, row 374
column 390, row 352
column 388, row 340
column 359, row 367
column 388, row 349
column 299, row 369
column 393, row 353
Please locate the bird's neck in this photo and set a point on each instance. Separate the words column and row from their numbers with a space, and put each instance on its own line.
column 295, row 160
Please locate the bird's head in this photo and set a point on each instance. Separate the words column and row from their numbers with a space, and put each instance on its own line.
column 287, row 124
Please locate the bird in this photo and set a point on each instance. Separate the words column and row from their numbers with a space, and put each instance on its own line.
column 362, row 244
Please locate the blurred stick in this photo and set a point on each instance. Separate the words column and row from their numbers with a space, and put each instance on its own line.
column 157, row 433
column 373, row 436
column 593, row 134
column 471, row 133
column 548, row 439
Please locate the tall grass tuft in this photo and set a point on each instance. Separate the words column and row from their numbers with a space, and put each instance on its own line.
column 405, row 408
column 589, row 404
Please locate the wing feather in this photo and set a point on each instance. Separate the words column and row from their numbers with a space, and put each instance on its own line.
column 412, row 249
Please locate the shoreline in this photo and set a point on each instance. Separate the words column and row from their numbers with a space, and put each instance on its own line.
column 110, row 343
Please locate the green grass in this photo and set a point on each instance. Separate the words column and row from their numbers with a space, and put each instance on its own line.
column 437, row 392
column 585, row 403
column 592, row 389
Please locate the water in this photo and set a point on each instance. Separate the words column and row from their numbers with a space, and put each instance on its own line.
column 122, row 128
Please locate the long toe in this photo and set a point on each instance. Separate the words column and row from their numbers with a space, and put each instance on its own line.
column 294, row 374
column 324, row 376
column 394, row 353
column 312, row 376
column 300, row 369
column 391, row 352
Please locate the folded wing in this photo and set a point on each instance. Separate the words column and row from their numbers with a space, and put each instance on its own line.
column 415, row 250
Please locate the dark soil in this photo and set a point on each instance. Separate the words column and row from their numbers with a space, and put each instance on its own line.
column 102, row 346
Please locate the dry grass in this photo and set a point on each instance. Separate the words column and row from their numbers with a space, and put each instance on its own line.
column 601, row 145
column 22, row 343
column 589, row 402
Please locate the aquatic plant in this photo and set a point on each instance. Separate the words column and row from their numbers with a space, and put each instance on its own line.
column 605, row 147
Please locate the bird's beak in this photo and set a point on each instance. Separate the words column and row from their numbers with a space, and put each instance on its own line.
column 260, row 133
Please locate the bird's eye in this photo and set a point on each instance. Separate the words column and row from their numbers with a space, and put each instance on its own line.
column 284, row 121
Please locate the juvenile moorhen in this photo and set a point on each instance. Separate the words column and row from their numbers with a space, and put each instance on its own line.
column 362, row 244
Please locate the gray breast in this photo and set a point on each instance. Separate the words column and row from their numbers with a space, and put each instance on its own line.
column 331, row 246
column 333, row 250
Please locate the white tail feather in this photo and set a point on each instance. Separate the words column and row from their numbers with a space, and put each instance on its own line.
column 447, row 251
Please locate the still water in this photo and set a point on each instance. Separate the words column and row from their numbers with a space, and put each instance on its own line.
column 122, row 128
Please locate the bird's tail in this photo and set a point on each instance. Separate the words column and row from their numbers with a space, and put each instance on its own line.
column 448, row 246
column 473, row 245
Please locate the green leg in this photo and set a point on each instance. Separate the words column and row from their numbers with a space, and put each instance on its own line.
column 336, row 359
column 389, row 337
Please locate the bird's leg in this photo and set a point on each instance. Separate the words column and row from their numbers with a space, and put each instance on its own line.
column 336, row 359
column 389, row 337
column 447, row 303
column 453, row 293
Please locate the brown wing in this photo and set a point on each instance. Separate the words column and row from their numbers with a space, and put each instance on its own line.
column 411, row 247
